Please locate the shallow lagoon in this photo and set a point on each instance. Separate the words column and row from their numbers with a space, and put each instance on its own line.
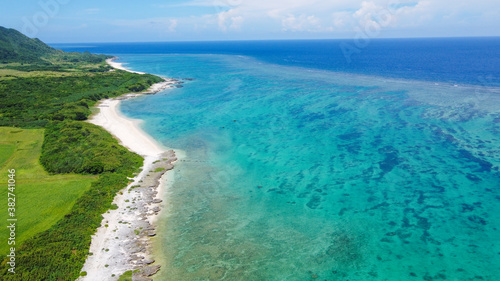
column 298, row 174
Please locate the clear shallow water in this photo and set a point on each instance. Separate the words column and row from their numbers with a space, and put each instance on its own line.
column 296, row 173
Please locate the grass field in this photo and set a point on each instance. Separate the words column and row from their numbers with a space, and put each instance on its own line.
column 41, row 199
column 6, row 151
column 6, row 74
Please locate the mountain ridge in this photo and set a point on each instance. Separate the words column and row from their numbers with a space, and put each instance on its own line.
column 17, row 47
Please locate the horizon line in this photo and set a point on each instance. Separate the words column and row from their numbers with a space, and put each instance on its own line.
column 289, row 39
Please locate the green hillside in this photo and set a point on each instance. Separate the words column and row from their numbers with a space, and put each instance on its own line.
column 15, row 47
column 39, row 84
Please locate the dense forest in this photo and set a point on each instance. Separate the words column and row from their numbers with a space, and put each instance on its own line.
column 41, row 87
column 32, row 100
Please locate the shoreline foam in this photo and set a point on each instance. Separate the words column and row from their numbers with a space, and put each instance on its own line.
column 123, row 241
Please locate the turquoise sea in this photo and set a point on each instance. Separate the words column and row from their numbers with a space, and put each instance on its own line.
column 296, row 172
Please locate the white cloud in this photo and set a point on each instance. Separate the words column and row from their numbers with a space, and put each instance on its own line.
column 173, row 25
column 342, row 20
column 371, row 14
column 295, row 15
column 303, row 23
column 331, row 17
column 229, row 20
column 421, row 14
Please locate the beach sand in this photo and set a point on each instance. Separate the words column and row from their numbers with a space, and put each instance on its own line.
column 120, row 66
column 123, row 240
column 126, row 130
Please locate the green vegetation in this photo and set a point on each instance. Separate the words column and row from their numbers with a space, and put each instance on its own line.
column 59, row 213
column 6, row 151
column 83, row 165
column 59, row 252
column 27, row 54
column 126, row 276
column 39, row 84
column 42, row 200
column 78, row 147
column 15, row 47
column 39, row 98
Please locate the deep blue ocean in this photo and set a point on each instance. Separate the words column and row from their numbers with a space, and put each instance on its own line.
column 307, row 162
column 455, row 60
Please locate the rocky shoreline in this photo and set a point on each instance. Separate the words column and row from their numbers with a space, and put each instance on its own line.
column 123, row 241
column 148, row 205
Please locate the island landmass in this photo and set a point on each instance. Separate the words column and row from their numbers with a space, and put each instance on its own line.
column 46, row 99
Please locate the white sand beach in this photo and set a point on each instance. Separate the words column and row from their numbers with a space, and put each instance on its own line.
column 122, row 242
column 126, row 130
column 120, row 66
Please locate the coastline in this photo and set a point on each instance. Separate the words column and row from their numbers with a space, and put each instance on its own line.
column 123, row 241
column 119, row 65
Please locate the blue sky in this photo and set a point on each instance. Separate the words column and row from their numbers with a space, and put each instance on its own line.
column 58, row 21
